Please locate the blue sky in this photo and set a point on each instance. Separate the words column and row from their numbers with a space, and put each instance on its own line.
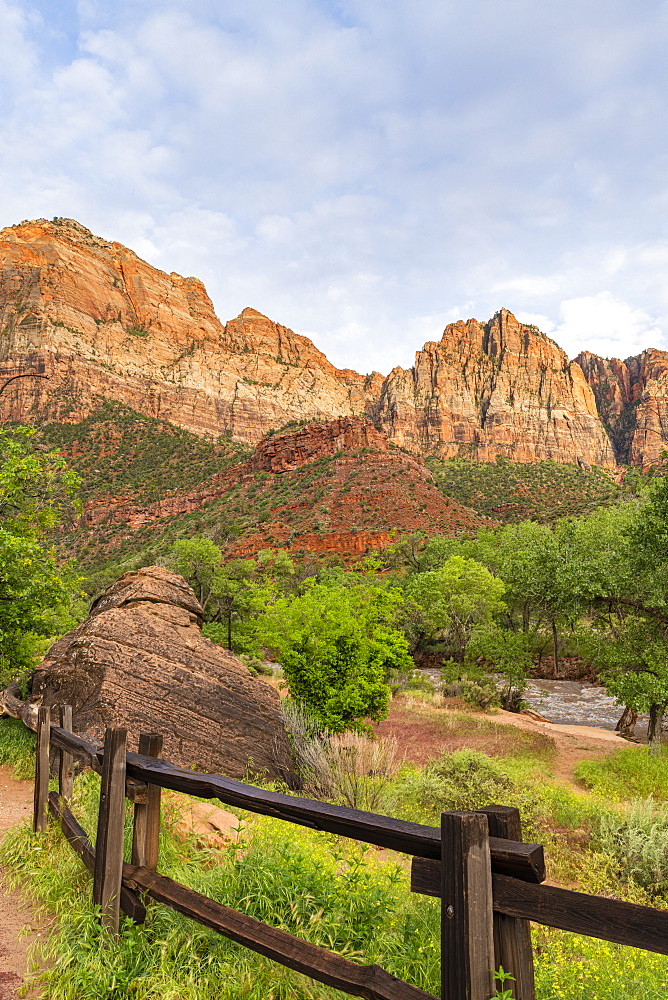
column 361, row 171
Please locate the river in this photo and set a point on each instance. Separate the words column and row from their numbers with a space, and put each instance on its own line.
column 577, row 703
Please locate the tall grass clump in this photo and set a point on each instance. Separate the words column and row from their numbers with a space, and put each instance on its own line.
column 349, row 768
column 17, row 748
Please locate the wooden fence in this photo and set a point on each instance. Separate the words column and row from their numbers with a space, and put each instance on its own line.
column 488, row 880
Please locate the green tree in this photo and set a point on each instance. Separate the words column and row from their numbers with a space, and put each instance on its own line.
column 37, row 492
column 337, row 645
column 453, row 600
column 510, row 654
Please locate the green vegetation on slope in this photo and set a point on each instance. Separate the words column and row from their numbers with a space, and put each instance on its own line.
column 520, row 491
column 117, row 451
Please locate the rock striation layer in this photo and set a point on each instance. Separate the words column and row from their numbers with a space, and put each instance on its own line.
column 497, row 388
column 140, row 661
column 100, row 322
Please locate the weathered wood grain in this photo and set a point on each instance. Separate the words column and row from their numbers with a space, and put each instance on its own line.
column 467, row 935
column 524, row 861
column 146, row 824
column 109, row 840
column 368, row 981
column 41, row 790
column 512, row 935
column 66, row 763
column 595, row 916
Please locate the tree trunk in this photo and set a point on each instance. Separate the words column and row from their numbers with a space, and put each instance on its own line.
column 654, row 727
column 627, row 723
column 555, row 648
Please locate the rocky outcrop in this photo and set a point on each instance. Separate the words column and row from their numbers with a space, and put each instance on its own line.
column 288, row 451
column 101, row 322
column 632, row 398
column 499, row 388
column 140, row 661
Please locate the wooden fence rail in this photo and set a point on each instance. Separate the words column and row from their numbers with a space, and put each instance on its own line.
column 489, row 886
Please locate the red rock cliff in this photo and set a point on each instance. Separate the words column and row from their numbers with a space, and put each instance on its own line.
column 102, row 322
column 495, row 388
column 632, row 397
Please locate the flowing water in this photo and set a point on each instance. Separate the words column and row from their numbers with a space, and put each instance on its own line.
column 572, row 703
column 577, row 703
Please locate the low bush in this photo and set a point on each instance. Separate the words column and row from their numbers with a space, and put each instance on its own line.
column 464, row 779
column 638, row 842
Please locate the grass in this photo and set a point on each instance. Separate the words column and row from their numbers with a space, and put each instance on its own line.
column 314, row 885
column 627, row 774
column 520, row 491
column 17, row 748
column 345, row 896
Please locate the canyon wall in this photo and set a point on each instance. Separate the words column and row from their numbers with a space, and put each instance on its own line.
column 632, row 398
column 497, row 388
column 101, row 322
column 96, row 322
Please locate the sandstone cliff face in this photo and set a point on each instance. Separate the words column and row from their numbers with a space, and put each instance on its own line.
column 287, row 451
column 102, row 322
column 632, row 397
column 500, row 388
column 140, row 661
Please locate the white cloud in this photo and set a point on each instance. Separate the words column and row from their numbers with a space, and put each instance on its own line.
column 359, row 171
column 604, row 324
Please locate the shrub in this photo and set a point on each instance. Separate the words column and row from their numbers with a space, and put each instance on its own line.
column 639, row 844
column 464, row 779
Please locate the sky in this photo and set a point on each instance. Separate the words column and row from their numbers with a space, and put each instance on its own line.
column 361, row 171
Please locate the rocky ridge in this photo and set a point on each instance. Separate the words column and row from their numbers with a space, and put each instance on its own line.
column 103, row 324
column 497, row 388
column 632, row 398
column 335, row 487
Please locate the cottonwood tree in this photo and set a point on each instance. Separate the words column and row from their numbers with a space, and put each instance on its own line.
column 37, row 493
column 337, row 645
column 452, row 601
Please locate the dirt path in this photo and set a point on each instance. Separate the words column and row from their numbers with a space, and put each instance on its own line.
column 15, row 913
column 423, row 732
column 573, row 743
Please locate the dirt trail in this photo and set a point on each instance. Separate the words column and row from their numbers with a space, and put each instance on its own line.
column 15, row 913
column 573, row 743
column 424, row 731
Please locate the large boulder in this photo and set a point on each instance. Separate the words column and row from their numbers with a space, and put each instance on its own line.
column 140, row 661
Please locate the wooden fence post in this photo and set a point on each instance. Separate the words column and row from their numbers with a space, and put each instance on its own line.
column 512, row 935
column 66, row 769
column 146, row 826
column 41, row 769
column 467, row 937
column 109, row 844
